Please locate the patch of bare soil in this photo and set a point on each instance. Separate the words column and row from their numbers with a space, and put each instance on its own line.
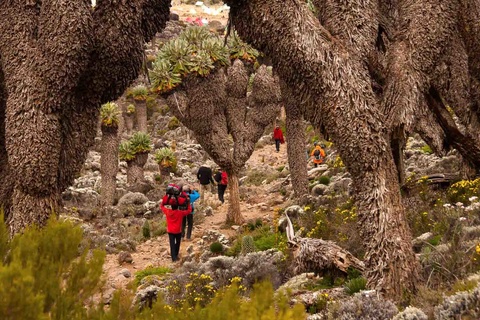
column 156, row 252
column 210, row 12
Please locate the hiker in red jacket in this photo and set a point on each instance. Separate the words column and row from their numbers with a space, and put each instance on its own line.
column 221, row 178
column 278, row 137
column 174, row 226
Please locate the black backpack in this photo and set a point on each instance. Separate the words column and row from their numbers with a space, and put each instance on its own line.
column 317, row 154
column 218, row 177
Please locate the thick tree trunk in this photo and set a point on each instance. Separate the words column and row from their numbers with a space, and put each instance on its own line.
column 59, row 64
column 234, row 215
column 109, row 164
column 324, row 71
column 135, row 172
column 397, row 145
column 141, row 112
column 297, row 160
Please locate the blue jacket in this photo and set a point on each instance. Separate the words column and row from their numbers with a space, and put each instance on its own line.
column 194, row 195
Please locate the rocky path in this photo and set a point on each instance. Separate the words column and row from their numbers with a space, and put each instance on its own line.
column 155, row 252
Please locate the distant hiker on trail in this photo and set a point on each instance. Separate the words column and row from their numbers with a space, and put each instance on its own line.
column 221, row 178
column 318, row 154
column 278, row 137
column 174, row 226
column 188, row 219
column 204, row 176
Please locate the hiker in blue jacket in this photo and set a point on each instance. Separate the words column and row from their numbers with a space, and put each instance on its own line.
column 188, row 219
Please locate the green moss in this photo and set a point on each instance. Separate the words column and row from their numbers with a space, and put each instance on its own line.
column 324, row 180
column 426, row 149
column 173, row 123
column 159, row 271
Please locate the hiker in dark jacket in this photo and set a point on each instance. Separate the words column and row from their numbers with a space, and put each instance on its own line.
column 221, row 178
column 174, row 227
column 204, row 176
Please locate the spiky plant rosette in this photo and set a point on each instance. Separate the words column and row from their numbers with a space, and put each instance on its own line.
column 130, row 109
column 141, row 142
column 165, row 157
column 109, row 114
column 196, row 52
column 241, row 50
column 139, row 93
column 126, row 151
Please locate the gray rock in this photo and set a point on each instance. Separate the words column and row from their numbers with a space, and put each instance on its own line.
column 294, row 211
column 133, row 198
column 145, row 297
column 411, row 313
column 319, row 189
column 126, row 273
column 338, row 186
column 125, row 257
column 419, row 241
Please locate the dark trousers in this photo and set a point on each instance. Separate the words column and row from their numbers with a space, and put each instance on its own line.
column 277, row 144
column 175, row 239
column 187, row 220
column 221, row 192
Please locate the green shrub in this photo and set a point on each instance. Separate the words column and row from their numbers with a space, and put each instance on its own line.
column 173, row 123
column 324, row 180
column 216, row 247
column 159, row 271
column 166, row 157
column 266, row 241
column 146, row 230
column 461, row 191
column 248, row 245
column 256, row 177
column 355, row 285
column 47, row 273
column 159, row 229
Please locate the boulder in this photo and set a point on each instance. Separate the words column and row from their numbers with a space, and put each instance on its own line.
column 133, row 198
column 294, row 211
column 124, row 257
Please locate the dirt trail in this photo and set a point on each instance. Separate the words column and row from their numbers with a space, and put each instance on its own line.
column 155, row 252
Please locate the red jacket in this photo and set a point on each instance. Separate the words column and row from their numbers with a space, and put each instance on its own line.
column 174, row 218
column 224, row 180
column 278, row 135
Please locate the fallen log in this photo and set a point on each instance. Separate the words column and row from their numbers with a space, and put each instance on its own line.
column 319, row 256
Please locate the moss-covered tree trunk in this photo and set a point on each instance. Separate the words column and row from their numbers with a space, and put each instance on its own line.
column 135, row 173
column 234, row 214
column 109, row 164
column 60, row 60
column 297, row 160
column 141, row 113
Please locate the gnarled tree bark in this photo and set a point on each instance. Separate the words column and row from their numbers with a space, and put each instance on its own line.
column 61, row 60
